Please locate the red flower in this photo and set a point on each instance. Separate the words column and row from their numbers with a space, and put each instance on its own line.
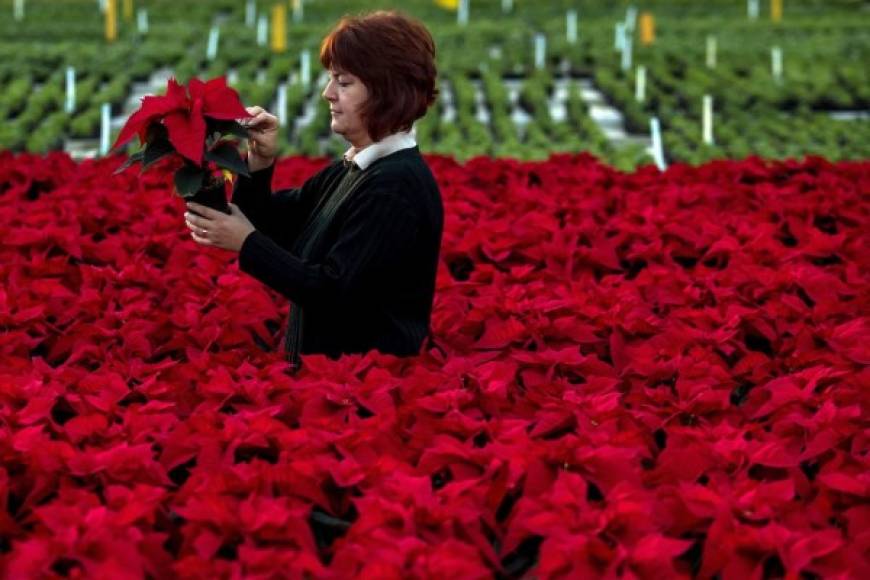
column 183, row 111
column 646, row 375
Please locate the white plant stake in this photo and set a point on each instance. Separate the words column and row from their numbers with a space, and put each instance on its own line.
column 262, row 30
column 250, row 13
column 571, row 26
column 213, row 37
column 298, row 11
column 462, row 12
column 142, row 21
column 776, row 63
column 626, row 53
column 640, row 84
column 103, row 4
column 18, row 10
column 618, row 36
column 708, row 120
column 630, row 18
column 711, row 52
column 105, row 127
column 752, row 9
column 540, row 51
column 658, row 148
column 70, row 104
column 507, row 6
column 305, row 68
column 282, row 104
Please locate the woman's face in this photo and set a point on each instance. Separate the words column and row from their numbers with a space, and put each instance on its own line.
column 346, row 95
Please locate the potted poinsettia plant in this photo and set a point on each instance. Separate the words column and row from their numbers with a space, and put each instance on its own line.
column 198, row 125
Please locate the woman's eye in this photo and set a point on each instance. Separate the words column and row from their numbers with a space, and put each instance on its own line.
column 344, row 84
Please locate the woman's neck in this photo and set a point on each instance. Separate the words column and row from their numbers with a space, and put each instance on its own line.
column 360, row 142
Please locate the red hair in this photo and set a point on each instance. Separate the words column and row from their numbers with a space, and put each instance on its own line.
column 394, row 56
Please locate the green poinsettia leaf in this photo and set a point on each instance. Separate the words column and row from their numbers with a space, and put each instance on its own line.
column 226, row 127
column 134, row 158
column 328, row 520
column 155, row 151
column 226, row 156
column 188, row 180
column 156, row 131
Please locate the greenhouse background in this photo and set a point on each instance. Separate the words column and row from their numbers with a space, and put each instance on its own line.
column 518, row 79
column 648, row 349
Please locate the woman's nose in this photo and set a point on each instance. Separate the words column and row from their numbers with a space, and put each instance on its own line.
column 327, row 92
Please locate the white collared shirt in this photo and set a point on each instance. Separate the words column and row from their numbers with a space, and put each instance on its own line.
column 386, row 146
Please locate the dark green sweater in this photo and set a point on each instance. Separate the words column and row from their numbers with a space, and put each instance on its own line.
column 356, row 251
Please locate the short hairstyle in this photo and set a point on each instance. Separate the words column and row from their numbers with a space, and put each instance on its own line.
column 394, row 56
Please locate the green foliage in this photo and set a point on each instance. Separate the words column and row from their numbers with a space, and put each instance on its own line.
column 824, row 43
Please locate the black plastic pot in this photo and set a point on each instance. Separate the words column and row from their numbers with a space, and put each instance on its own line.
column 211, row 195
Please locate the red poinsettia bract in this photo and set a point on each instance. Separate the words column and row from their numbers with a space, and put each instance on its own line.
column 183, row 111
column 648, row 375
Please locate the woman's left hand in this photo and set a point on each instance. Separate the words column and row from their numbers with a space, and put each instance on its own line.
column 215, row 228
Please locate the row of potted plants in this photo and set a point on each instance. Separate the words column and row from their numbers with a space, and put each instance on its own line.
column 648, row 375
column 484, row 50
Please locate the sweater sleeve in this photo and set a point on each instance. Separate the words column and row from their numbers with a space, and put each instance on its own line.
column 374, row 238
column 252, row 194
column 279, row 215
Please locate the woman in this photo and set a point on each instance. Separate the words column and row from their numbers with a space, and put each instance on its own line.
column 356, row 247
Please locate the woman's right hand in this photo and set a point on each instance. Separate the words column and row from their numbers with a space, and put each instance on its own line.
column 262, row 129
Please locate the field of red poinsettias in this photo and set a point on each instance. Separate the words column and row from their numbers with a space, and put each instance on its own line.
column 633, row 375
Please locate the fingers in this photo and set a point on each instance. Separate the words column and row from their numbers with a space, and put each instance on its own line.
column 199, row 229
column 206, row 212
column 193, row 224
column 261, row 121
column 198, row 232
column 200, row 240
column 253, row 112
column 262, row 129
column 199, row 226
column 193, row 220
column 226, row 233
